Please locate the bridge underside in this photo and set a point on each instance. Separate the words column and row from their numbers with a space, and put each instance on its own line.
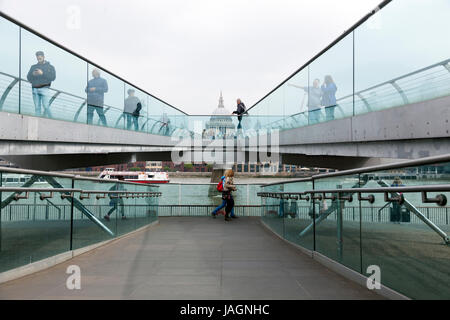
column 82, row 160
column 69, row 161
column 408, row 132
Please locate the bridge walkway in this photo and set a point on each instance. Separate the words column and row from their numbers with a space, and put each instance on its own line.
column 192, row 258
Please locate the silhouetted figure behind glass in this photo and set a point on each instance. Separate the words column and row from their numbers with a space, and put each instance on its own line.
column 131, row 110
column 165, row 123
column 314, row 101
column 41, row 76
column 95, row 90
column 329, row 97
column 115, row 201
column 396, row 210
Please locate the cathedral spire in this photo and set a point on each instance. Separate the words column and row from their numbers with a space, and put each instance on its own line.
column 221, row 100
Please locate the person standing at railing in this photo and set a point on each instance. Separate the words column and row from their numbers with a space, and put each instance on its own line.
column 96, row 89
column 132, row 107
column 41, row 76
column 239, row 112
column 329, row 97
column 314, row 101
column 165, row 123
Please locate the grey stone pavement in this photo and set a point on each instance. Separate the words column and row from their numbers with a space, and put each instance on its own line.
column 192, row 258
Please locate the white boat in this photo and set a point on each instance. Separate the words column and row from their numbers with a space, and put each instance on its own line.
column 135, row 176
column 17, row 180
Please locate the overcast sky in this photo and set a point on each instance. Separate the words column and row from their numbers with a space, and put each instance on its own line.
column 186, row 51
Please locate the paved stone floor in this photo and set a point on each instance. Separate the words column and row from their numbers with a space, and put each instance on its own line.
column 192, row 258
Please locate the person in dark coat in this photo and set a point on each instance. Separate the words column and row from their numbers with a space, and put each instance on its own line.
column 239, row 112
column 41, row 76
column 396, row 210
column 96, row 89
column 132, row 109
column 116, row 202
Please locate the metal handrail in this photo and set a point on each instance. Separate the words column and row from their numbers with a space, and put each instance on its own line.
column 370, row 169
column 51, row 203
column 58, row 92
column 423, row 189
column 83, row 99
column 392, row 82
column 118, row 191
column 71, row 191
column 440, row 200
column 442, row 63
column 64, row 175
column 21, row 189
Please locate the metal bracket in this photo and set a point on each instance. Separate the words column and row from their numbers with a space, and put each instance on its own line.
column 400, row 91
column 319, row 197
column 46, row 196
column 440, row 199
column 85, row 195
column 447, row 66
column 348, row 198
column 306, row 197
column 400, row 199
column 17, row 196
column 98, row 197
column 370, row 198
column 65, row 195
column 332, row 197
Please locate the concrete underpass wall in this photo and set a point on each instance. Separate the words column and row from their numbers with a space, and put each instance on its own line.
column 46, row 144
column 408, row 132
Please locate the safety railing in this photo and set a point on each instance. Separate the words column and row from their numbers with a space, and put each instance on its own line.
column 43, row 214
column 206, row 194
column 428, row 83
column 70, row 87
column 397, row 192
column 393, row 216
column 63, row 105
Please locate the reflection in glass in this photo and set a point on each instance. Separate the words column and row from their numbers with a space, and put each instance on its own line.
column 41, row 76
column 333, row 71
column 106, row 101
column 53, row 80
column 132, row 109
column 96, row 89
